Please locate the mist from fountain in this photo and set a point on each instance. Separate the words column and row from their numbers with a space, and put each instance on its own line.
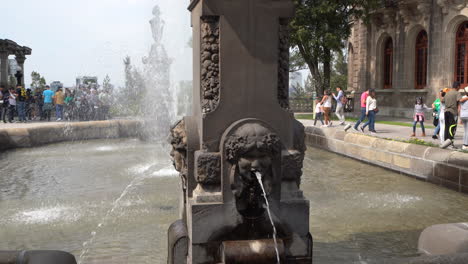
column 159, row 102
column 267, row 204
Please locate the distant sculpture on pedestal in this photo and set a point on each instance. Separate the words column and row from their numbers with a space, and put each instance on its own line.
column 19, row 77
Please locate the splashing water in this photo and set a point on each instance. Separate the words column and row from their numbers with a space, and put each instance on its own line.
column 115, row 205
column 259, row 178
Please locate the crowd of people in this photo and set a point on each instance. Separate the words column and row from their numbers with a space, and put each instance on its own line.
column 323, row 107
column 82, row 103
column 448, row 110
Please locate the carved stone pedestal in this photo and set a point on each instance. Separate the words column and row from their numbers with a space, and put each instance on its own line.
column 241, row 130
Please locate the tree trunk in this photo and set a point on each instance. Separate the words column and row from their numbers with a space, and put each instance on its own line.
column 313, row 64
column 326, row 68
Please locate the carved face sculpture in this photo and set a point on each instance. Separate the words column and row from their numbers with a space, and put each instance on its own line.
column 251, row 149
column 179, row 149
column 254, row 161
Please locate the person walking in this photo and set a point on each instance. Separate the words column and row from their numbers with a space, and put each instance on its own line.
column 327, row 104
column 68, row 112
column 4, row 103
column 451, row 101
column 21, row 103
column 318, row 112
column 30, row 102
column 371, row 111
column 39, row 98
column 105, row 100
column 48, row 95
column 11, row 105
column 363, row 116
column 464, row 117
column 419, row 116
column 59, row 99
column 340, row 104
column 436, row 114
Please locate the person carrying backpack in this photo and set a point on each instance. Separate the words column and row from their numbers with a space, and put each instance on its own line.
column 341, row 101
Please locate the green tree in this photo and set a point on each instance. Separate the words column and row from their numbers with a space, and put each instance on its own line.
column 339, row 74
column 38, row 81
column 106, row 83
column 320, row 28
column 12, row 81
column 130, row 96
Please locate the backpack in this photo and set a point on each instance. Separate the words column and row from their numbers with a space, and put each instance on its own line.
column 344, row 99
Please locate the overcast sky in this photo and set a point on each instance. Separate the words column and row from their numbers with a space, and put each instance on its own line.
column 70, row 38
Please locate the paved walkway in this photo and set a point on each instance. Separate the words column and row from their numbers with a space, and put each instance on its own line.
column 384, row 130
column 396, row 132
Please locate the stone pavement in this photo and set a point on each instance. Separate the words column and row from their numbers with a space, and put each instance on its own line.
column 397, row 132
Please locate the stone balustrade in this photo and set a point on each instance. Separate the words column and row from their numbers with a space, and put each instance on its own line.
column 446, row 168
column 47, row 133
column 301, row 105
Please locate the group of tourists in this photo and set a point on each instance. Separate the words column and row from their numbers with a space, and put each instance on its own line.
column 449, row 108
column 323, row 107
column 369, row 109
column 83, row 103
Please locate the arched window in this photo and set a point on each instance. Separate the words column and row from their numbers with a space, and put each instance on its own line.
column 388, row 63
column 421, row 60
column 461, row 57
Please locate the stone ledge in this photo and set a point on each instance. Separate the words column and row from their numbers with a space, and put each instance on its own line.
column 47, row 133
column 438, row 166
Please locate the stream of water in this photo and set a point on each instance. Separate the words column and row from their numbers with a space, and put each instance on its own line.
column 112, row 201
column 259, row 179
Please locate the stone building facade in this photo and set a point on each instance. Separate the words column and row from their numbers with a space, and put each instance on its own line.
column 409, row 48
column 7, row 48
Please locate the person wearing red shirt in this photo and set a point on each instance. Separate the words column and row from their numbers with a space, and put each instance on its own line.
column 364, row 96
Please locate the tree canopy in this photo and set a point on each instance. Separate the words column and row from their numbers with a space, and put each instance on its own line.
column 321, row 27
column 38, row 81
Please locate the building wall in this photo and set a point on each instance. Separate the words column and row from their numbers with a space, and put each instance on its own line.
column 439, row 18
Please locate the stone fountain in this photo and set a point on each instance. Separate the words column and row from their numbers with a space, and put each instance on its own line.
column 241, row 139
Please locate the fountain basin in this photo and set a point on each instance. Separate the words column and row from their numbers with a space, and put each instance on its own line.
column 36, row 257
column 251, row 251
column 444, row 239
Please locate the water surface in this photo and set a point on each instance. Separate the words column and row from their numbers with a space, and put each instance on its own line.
column 111, row 201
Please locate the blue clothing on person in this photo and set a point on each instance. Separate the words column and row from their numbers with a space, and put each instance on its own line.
column 48, row 94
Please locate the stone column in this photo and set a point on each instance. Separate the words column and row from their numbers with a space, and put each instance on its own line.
column 20, row 60
column 4, row 68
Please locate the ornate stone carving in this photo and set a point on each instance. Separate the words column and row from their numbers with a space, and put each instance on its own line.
column 446, row 5
column 283, row 63
column 210, row 84
column 424, row 9
column 178, row 141
column 292, row 160
column 389, row 16
column 406, row 12
column 209, row 169
column 251, row 149
column 292, row 164
column 239, row 145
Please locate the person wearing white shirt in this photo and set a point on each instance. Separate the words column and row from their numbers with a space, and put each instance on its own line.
column 464, row 117
column 339, row 105
column 318, row 112
column 371, row 111
column 327, row 104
